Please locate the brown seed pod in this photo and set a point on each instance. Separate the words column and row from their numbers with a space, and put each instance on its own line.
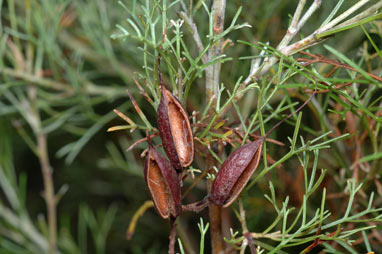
column 238, row 168
column 175, row 130
column 163, row 184
column 235, row 172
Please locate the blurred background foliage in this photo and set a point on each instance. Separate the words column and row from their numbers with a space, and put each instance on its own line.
column 62, row 75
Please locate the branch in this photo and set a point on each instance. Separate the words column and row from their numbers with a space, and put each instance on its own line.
column 213, row 71
column 311, row 40
column 373, row 9
column 344, row 15
column 194, row 32
column 244, row 228
column 293, row 25
column 88, row 86
column 212, row 88
column 171, row 248
column 46, row 168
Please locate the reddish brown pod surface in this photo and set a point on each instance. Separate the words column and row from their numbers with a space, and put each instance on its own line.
column 238, row 168
column 163, row 184
column 175, row 130
column 235, row 172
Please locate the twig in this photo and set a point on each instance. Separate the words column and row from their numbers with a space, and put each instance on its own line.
column 31, row 114
column 42, row 150
column 310, row 40
column 273, row 236
column 47, row 83
column 143, row 92
column 240, row 134
column 141, row 141
column 316, row 58
column 255, row 66
column 312, row 9
column 251, row 243
column 344, row 15
column 293, row 29
column 33, row 118
column 196, row 207
column 244, row 227
column 194, row 32
column 196, row 181
column 322, row 59
column 171, row 248
column 49, row 195
column 369, row 11
column 139, row 111
column 107, row 62
column 88, row 86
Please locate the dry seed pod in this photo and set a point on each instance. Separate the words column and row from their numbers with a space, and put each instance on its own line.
column 175, row 130
column 163, row 184
column 235, row 172
column 238, row 168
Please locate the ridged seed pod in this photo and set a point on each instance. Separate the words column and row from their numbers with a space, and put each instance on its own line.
column 163, row 184
column 175, row 130
column 235, row 172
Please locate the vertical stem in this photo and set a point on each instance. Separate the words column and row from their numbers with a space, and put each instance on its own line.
column 46, row 169
column 49, row 195
column 217, row 241
column 247, row 241
column 42, row 144
column 171, row 248
column 212, row 88
column 213, row 71
column 215, row 217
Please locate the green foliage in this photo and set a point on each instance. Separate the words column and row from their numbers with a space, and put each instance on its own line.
column 66, row 64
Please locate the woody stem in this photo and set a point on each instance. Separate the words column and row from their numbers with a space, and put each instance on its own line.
column 171, row 248
column 212, row 88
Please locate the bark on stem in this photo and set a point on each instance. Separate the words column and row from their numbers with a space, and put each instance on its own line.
column 212, row 88
column 213, row 71
column 217, row 241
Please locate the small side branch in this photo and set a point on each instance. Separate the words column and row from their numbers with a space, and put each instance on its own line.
column 49, row 195
column 194, row 32
column 314, row 38
column 247, row 241
column 46, row 169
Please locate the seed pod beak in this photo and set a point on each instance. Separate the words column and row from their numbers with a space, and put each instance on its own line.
column 175, row 130
column 235, row 173
column 163, row 184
